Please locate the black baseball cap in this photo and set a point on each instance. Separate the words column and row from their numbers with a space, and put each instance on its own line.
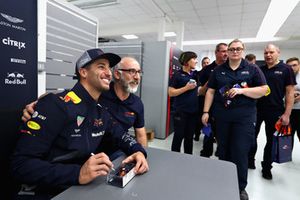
column 91, row 55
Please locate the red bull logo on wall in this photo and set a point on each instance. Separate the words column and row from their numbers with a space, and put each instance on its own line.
column 15, row 78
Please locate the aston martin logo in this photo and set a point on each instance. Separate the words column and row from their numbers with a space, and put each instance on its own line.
column 12, row 19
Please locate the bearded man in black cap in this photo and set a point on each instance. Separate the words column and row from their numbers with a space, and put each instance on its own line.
column 60, row 145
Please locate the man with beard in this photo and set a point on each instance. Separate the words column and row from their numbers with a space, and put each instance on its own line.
column 120, row 101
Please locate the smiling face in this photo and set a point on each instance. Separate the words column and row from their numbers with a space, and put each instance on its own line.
column 97, row 75
column 192, row 63
column 128, row 74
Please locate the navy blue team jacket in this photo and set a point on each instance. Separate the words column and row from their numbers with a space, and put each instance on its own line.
column 64, row 130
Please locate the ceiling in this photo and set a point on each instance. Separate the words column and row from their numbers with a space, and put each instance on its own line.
column 202, row 19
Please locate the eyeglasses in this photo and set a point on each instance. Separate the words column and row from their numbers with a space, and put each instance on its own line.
column 238, row 50
column 132, row 72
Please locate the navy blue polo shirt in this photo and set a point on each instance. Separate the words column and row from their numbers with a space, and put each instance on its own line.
column 204, row 74
column 246, row 75
column 278, row 77
column 128, row 113
column 187, row 101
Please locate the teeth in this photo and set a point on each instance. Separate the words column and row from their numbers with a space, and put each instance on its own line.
column 106, row 80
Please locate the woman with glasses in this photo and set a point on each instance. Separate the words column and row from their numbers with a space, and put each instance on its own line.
column 233, row 88
column 183, row 88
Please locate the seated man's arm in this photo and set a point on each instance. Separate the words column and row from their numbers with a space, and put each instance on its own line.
column 141, row 136
column 130, row 146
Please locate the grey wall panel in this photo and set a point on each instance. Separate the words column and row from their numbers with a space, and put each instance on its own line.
column 69, row 33
column 54, row 82
column 77, row 46
column 71, row 18
column 59, row 67
column 155, row 84
column 61, row 56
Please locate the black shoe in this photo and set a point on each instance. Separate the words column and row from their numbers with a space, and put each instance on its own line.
column 244, row 195
column 251, row 164
column 266, row 174
column 204, row 154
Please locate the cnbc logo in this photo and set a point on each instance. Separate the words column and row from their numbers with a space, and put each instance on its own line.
column 15, row 78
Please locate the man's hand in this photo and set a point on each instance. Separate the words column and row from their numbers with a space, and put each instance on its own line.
column 190, row 85
column 141, row 162
column 96, row 165
column 235, row 91
column 204, row 118
column 28, row 111
column 285, row 119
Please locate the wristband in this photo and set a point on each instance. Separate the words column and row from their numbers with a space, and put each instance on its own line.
column 205, row 112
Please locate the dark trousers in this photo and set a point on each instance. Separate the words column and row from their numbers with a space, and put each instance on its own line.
column 184, row 129
column 199, row 124
column 235, row 138
column 198, row 127
column 295, row 123
column 208, row 142
column 270, row 118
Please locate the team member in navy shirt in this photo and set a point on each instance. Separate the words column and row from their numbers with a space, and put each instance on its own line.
column 281, row 80
column 59, row 145
column 204, row 74
column 183, row 87
column 234, row 86
column 122, row 104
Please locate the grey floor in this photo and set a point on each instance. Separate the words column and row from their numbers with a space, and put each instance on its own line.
column 286, row 177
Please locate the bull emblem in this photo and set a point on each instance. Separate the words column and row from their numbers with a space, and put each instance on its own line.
column 20, row 75
column 11, row 75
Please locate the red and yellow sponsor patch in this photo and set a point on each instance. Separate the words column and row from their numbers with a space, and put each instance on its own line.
column 33, row 125
column 27, row 132
column 71, row 96
column 129, row 113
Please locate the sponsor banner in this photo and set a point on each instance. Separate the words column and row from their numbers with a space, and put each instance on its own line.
column 18, row 48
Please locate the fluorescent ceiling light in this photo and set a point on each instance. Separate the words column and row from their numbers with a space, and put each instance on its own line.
column 169, row 34
column 130, row 37
column 277, row 13
column 85, row 4
column 245, row 40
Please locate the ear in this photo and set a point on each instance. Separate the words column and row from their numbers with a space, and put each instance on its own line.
column 83, row 72
column 117, row 74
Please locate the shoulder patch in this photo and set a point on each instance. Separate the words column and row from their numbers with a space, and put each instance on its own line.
column 33, row 125
column 71, row 96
